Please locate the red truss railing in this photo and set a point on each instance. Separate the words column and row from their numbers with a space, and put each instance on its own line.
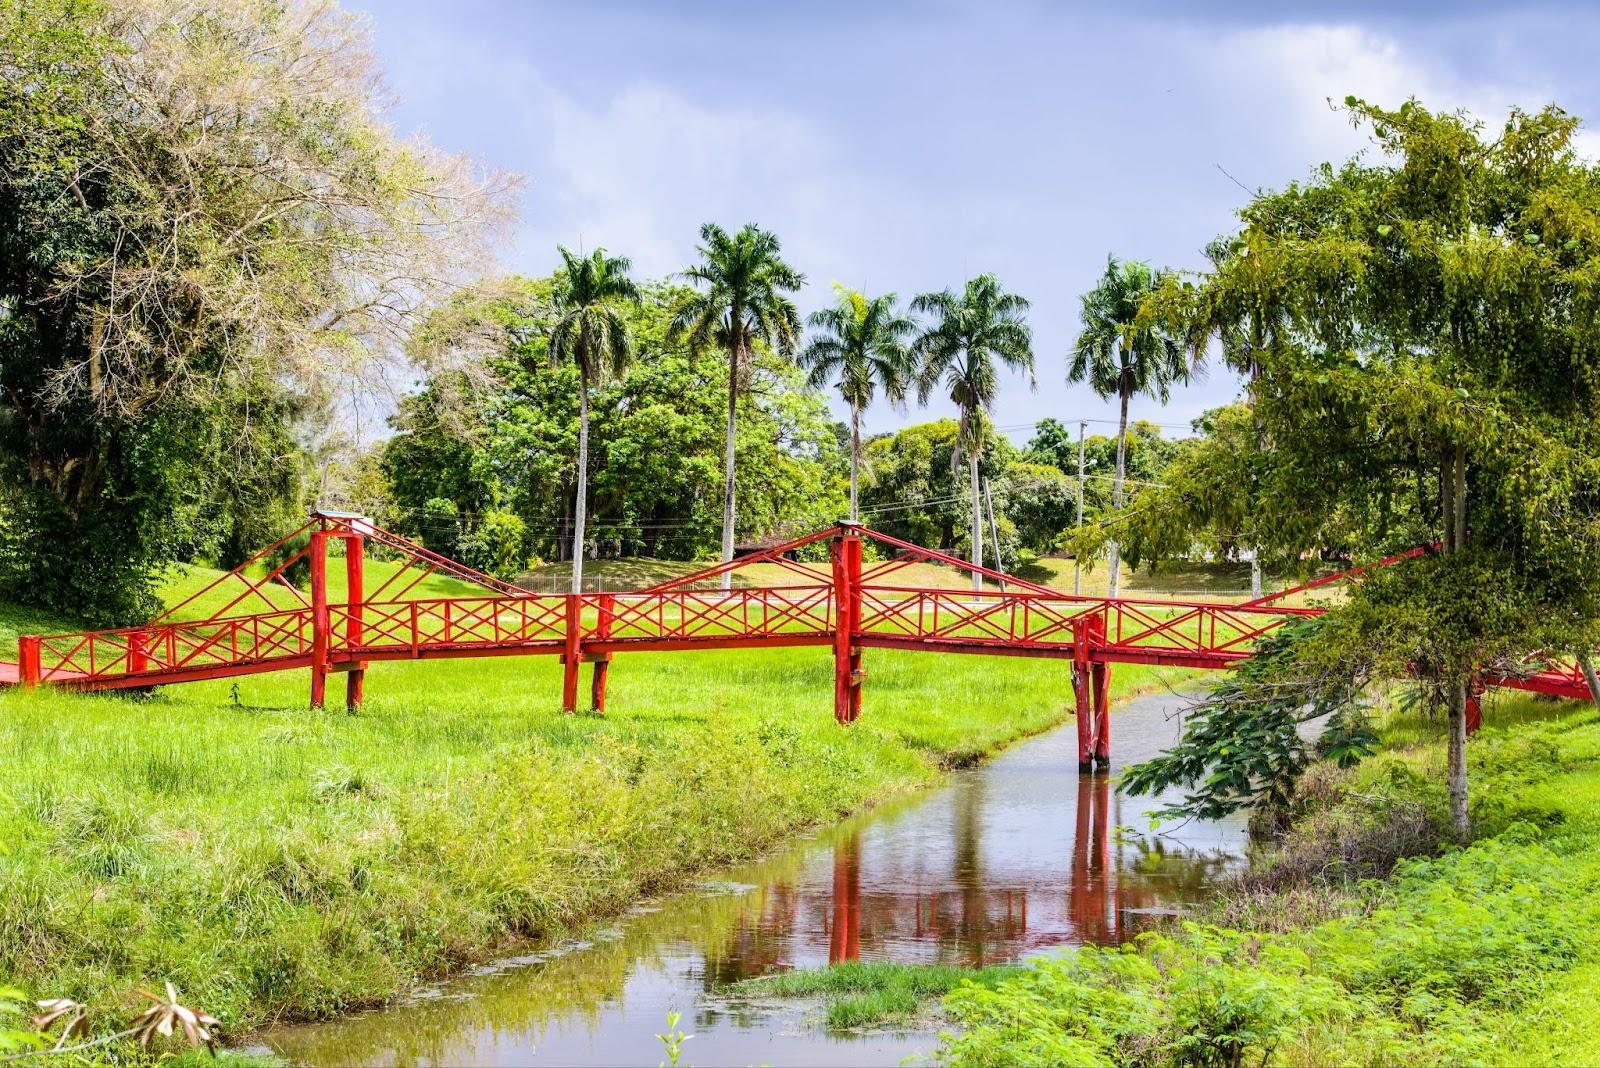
column 177, row 652
column 838, row 602
column 1129, row 630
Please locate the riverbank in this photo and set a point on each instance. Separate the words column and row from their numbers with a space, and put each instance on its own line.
column 1336, row 949
column 276, row 863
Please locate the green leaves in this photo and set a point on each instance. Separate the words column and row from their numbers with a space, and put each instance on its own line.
column 1241, row 744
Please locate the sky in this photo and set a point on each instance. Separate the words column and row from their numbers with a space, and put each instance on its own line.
column 906, row 147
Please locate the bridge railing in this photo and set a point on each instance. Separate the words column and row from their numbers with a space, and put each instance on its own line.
column 687, row 615
column 176, row 650
column 1039, row 621
column 453, row 622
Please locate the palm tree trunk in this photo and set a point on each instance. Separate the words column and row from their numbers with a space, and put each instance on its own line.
column 581, row 508
column 855, row 457
column 1116, row 491
column 728, row 491
column 977, row 524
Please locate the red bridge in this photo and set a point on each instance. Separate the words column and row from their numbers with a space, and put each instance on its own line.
column 842, row 603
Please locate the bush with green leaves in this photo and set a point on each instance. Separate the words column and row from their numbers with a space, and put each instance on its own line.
column 1243, row 745
column 1205, row 996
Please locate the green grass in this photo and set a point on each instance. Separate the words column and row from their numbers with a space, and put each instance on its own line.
column 279, row 863
column 871, row 993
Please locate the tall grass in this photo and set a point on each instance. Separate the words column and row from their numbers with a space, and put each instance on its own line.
column 276, row 862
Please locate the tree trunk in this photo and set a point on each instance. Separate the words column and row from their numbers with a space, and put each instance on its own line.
column 855, row 457
column 1077, row 564
column 1116, row 490
column 1460, row 496
column 1455, row 541
column 1586, row 663
column 976, row 555
column 1457, row 773
column 728, row 491
column 580, row 509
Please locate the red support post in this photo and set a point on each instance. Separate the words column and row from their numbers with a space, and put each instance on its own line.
column 354, row 630
column 138, row 655
column 845, row 550
column 28, row 660
column 602, row 663
column 1474, row 708
column 852, row 565
column 1100, row 676
column 319, row 617
column 1080, row 691
column 572, row 657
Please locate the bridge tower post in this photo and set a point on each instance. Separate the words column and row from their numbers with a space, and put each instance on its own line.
column 845, row 550
column 1100, row 674
column 354, row 627
column 28, row 662
column 572, row 655
column 318, row 559
column 138, row 652
column 602, row 661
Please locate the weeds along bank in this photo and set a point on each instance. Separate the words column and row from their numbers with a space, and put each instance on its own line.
column 1335, row 950
column 275, row 862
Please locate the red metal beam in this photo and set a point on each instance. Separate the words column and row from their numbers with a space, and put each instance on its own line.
column 1349, row 572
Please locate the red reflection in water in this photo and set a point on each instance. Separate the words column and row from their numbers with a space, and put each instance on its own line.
column 844, row 942
column 966, row 912
column 1094, row 894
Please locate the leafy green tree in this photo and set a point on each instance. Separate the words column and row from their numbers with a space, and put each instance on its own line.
column 206, row 222
column 1429, row 362
column 656, row 437
column 591, row 333
column 958, row 351
column 1146, row 456
column 1040, row 500
column 863, row 346
column 1122, row 354
column 743, row 303
column 910, row 489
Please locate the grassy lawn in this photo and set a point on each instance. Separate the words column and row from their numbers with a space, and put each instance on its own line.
column 276, row 863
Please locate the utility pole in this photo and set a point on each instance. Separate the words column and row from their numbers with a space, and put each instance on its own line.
column 1077, row 567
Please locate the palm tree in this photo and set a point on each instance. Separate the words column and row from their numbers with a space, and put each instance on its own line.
column 863, row 344
column 742, row 302
column 958, row 350
column 1120, row 355
column 589, row 330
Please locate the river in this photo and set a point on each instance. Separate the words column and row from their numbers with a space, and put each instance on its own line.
column 1013, row 858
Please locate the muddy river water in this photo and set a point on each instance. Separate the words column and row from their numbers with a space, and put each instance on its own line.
column 1018, row 857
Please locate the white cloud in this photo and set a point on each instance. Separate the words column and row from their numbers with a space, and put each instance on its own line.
column 644, row 169
column 1299, row 69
